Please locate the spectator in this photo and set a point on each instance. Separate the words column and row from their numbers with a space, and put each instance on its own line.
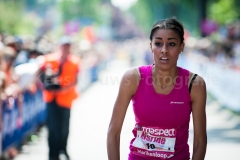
column 65, row 67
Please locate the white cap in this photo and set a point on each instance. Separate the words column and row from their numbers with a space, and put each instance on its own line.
column 65, row 40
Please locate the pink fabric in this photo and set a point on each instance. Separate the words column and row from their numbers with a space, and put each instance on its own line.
column 164, row 111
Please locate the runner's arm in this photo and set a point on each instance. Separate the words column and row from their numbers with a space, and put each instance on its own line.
column 127, row 89
column 198, row 95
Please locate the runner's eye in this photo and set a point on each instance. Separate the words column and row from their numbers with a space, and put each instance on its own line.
column 172, row 44
column 158, row 44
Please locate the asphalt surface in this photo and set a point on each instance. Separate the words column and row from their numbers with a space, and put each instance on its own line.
column 90, row 117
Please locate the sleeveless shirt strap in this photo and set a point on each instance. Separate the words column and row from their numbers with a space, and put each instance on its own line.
column 191, row 82
column 137, row 69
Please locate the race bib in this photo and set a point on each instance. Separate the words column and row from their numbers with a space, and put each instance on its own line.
column 154, row 142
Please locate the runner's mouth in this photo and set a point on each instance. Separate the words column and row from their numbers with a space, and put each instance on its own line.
column 164, row 59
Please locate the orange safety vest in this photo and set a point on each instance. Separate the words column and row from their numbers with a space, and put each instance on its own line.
column 69, row 74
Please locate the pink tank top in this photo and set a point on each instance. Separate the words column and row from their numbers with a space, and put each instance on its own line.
column 162, row 121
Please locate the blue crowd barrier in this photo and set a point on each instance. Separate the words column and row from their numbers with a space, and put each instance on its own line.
column 14, row 130
column 34, row 111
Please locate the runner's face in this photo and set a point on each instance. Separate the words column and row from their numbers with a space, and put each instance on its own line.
column 166, row 47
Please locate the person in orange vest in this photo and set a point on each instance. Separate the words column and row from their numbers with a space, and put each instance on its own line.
column 59, row 93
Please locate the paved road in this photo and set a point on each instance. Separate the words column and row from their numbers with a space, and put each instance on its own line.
column 91, row 114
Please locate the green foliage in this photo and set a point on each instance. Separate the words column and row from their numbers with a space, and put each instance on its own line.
column 12, row 19
column 223, row 11
column 28, row 24
column 142, row 12
column 74, row 9
column 10, row 13
column 147, row 12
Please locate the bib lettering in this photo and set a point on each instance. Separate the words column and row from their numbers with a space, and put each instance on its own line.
column 154, row 142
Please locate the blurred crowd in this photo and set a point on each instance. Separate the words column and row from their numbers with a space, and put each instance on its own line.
column 22, row 56
column 15, row 52
column 222, row 46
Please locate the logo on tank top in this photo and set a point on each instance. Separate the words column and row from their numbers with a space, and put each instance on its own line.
column 172, row 102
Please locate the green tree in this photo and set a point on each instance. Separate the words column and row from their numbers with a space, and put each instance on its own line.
column 10, row 13
column 144, row 17
column 223, row 12
column 72, row 9
column 147, row 12
column 13, row 19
